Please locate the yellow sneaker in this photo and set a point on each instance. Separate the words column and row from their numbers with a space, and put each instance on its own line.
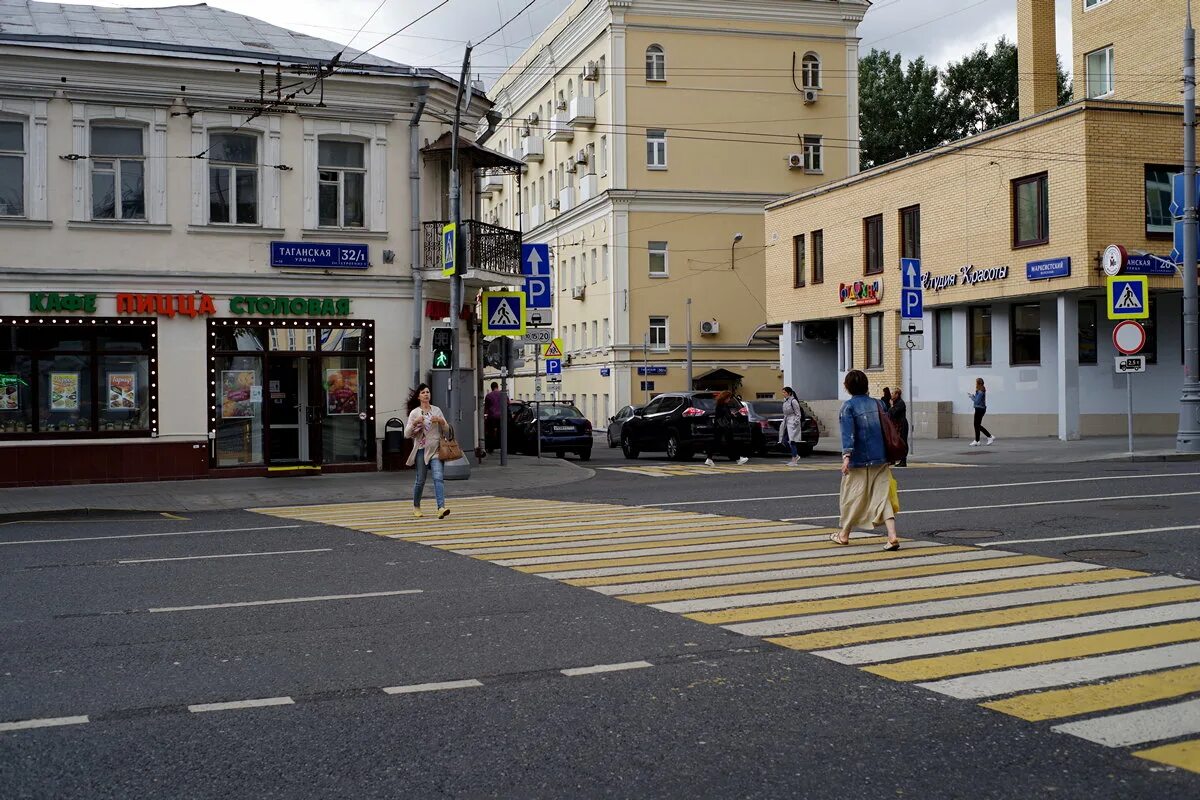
column 417, row 512
column 443, row 513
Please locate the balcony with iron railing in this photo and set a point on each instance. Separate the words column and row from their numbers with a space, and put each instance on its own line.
column 492, row 253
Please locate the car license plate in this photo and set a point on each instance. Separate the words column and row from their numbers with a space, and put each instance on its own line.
column 563, row 429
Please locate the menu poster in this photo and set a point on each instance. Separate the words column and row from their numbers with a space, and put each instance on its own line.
column 10, row 397
column 341, row 391
column 236, row 388
column 122, row 391
column 64, row 391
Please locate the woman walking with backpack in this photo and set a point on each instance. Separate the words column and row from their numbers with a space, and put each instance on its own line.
column 866, row 474
column 425, row 427
column 979, row 400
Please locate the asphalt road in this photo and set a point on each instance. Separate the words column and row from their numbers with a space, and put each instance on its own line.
column 141, row 623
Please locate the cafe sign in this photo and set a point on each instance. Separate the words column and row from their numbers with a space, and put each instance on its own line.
column 196, row 304
column 861, row 293
column 291, row 306
column 43, row 302
column 966, row 276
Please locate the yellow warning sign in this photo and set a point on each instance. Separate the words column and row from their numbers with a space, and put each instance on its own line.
column 553, row 350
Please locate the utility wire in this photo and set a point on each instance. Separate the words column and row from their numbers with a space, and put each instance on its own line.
column 511, row 19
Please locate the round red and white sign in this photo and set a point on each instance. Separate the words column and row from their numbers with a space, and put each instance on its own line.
column 1129, row 337
column 1113, row 260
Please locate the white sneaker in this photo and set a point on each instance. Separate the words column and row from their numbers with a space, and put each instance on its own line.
column 708, row 462
column 795, row 462
column 991, row 439
column 973, row 444
column 743, row 460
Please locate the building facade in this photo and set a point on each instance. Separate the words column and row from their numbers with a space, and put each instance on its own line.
column 207, row 255
column 653, row 132
column 1010, row 227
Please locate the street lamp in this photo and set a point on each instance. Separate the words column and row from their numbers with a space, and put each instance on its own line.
column 737, row 237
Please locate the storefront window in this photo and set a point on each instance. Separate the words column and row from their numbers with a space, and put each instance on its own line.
column 335, row 340
column 70, row 379
column 239, row 339
column 874, row 341
column 344, row 435
column 239, row 410
column 1025, row 330
column 979, row 334
column 291, row 339
column 943, row 332
column 1087, row 332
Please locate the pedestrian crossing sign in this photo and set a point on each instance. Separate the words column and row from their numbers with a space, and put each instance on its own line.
column 449, row 246
column 1129, row 297
column 503, row 313
column 553, row 350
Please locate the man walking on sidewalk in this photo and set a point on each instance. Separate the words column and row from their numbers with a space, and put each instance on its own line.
column 491, row 417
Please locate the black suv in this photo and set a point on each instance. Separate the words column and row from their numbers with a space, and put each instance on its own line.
column 681, row 424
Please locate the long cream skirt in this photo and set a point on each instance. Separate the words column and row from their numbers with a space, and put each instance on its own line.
column 864, row 497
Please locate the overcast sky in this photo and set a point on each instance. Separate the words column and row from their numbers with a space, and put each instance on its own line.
column 940, row 30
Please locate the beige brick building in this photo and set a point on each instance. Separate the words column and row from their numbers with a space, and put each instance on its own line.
column 1009, row 226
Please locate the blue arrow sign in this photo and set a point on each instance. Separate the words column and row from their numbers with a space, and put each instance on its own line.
column 554, row 366
column 535, row 259
column 910, row 273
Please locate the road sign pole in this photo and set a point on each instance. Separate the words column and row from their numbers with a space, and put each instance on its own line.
column 1129, row 408
column 1188, row 438
column 912, row 422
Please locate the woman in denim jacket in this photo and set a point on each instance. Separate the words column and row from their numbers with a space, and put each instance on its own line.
column 866, row 474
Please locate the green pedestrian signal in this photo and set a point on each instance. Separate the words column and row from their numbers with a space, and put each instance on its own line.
column 443, row 348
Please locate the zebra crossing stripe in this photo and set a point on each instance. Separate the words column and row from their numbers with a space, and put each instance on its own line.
column 538, row 565
column 1138, row 727
column 644, row 539
column 600, row 532
column 635, row 547
column 1088, row 699
column 1185, row 755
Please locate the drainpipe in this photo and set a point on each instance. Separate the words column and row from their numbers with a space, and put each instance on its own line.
column 414, row 186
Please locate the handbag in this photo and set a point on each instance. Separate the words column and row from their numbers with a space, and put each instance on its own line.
column 894, row 495
column 448, row 449
column 895, row 449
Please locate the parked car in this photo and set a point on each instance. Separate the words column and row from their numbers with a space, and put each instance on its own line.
column 616, row 422
column 766, row 416
column 515, row 407
column 680, row 424
column 563, row 427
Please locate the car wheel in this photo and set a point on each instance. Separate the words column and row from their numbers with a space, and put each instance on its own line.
column 627, row 447
column 673, row 446
column 585, row 455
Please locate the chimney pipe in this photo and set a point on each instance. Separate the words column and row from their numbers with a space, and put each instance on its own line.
column 1037, row 63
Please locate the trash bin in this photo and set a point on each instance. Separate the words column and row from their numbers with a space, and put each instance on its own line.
column 395, row 447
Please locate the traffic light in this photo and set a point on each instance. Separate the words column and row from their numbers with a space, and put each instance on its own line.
column 498, row 352
column 443, row 348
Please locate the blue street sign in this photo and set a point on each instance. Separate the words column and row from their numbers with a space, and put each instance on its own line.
column 1177, row 251
column 1148, row 265
column 1049, row 268
column 554, row 366
column 321, row 255
column 535, row 259
column 912, row 304
column 910, row 273
column 537, row 291
column 652, row 370
column 605, row 372
column 1177, row 193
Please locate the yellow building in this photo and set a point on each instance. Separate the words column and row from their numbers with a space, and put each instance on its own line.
column 653, row 133
column 1010, row 227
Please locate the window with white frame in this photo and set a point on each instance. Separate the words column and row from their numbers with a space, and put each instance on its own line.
column 810, row 71
column 657, row 259
column 659, row 333
column 607, row 333
column 1092, row 3
column 595, row 266
column 233, row 179
column 814, row 159
column 656, row 149
column 604, row 262
column 595, row 335
column 603, row 155
column 574, row 342
column 583, row 334
column 602, row 78
column 656, row 63
column 1099, row 64
column 341, row 184
column 12, row 168
column 118, row 172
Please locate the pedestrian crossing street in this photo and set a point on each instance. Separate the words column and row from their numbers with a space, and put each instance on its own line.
column 698, row 469
column 1108, row 655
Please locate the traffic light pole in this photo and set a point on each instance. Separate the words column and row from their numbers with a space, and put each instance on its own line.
column 1188, row 438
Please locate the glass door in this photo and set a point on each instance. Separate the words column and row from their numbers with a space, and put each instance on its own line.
column 289, row 411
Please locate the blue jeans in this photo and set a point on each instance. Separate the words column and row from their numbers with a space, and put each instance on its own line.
column 423, row 470
column 792, row 447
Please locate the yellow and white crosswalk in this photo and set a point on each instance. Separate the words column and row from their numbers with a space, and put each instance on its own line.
column 699, row 469
column 1107, row 655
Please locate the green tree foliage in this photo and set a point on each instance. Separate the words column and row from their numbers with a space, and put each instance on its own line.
column 903, row 111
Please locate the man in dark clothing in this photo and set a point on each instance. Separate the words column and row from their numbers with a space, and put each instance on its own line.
column 491, row 417
column 899, row 414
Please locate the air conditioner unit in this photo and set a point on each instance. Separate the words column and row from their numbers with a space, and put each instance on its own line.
column 709, row 327
column 561, row 105
column 810, row 96
column 824, row 332
column 592, row 72
column 581, row 157
column 571, row 166
column 525, row 132
column 534, row 119
column 795, row 161
column 554, row 204
column 577, row 292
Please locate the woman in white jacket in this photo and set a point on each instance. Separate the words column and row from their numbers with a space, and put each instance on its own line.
column 793, row 424
column 425, row 427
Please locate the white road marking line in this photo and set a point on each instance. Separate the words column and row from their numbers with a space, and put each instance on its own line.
column 224, row 555
column 1061, row 673
column 201, row 708
column 1138, row 727
column 1093, row 535
column 658, row 537
column 766, row 558
column 1019, row 505
column 470, row 683
column 574, row 671
column 933, row 489
column 283, row 601
column 1012, row 634
column 659, row 551
column 710, row 528
column 151, row 535
column 965, row 605
column 872, row 587
column 798, row 572
column 47, row 722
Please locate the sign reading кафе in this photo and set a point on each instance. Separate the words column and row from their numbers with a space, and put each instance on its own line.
column 193, row 305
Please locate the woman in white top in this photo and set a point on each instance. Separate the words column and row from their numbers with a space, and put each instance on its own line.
column 793, row 424
column 425, row 427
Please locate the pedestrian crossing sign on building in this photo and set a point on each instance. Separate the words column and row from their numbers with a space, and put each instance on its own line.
column 1129, row 297
column 503, row 313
